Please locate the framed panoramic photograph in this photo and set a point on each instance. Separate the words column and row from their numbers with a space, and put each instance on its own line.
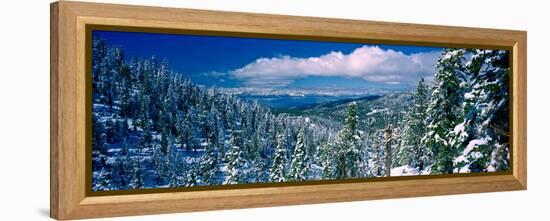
column 157, row 110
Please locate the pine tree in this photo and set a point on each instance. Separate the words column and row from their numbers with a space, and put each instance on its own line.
column 255, row 144
column 159, row 159
column 445, row 110
column 299, row 164
column 415, row 153
column 104, row 181
column 182, row 131
column 192, row 135
column 258, row 172
column 119, row 174
column 377, row 154
column 236, row 162
column 221, row 140
column 147, row 139
column 278, row 167
column 99, row 138
column 191, row 177
column 349, row 153
column 208, row 168
column 485, row 128
column 125, row 165
column 137, row 175
column 165, row 141
column 177, row 169
column 125, row 96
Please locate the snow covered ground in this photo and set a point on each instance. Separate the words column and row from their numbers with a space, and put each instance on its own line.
column 407, row 171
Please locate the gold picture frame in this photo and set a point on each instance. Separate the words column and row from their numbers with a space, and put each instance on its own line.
column 71, row 23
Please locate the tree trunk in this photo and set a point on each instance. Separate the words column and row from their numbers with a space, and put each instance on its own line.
column 342, row 162
column 388, row 137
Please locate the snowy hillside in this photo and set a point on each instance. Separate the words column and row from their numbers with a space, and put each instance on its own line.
column 154, row 128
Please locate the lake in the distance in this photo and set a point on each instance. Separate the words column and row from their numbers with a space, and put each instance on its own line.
column 287, row 101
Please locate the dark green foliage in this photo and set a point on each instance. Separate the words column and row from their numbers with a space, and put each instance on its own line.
column 299, row 164
column 444, row 110
column 486, row 112
column 277, row 173
column 414, row 152
column 236, row 162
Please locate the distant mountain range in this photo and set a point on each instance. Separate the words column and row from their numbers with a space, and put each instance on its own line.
column 378, row 108
column 339, row 102
column 300, row 92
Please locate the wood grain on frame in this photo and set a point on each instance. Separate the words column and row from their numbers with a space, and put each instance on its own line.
column 68, row 198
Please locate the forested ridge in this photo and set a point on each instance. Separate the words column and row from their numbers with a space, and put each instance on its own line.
column 153, row 127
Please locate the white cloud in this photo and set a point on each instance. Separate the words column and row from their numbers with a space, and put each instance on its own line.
column 370, row 63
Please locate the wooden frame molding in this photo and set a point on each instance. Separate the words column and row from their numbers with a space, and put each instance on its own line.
column 68, row 196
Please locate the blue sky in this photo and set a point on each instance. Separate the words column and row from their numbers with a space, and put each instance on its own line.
column 285, row 64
